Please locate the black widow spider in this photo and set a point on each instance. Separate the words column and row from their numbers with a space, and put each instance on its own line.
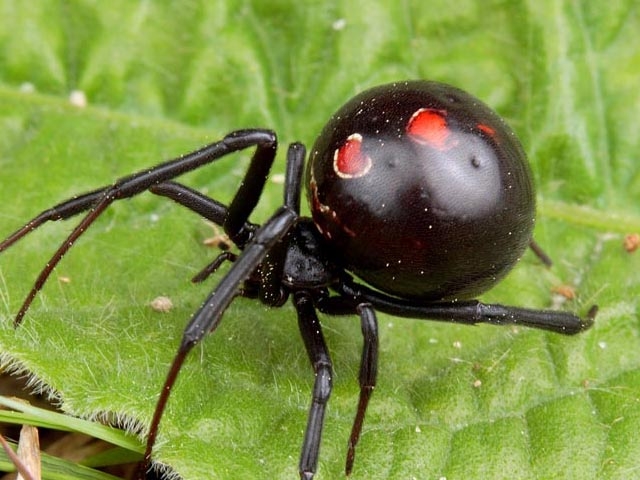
column 417, row 188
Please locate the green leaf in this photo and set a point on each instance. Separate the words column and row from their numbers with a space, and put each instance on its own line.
column 23, row 413
column 57, row 469
column 164, row 78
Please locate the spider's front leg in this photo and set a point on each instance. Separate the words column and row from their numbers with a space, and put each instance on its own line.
column 270, row 292
column 97, row 201
column 264, row 242
column 208, row 317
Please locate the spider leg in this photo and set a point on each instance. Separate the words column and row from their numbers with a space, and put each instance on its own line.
column 293, row 176
column 271, row 291
column 468, row 312
column 540, row 253
column 367, row 377
column 206, row 207
column 321, row 361
column 62, row 211
column 264, row 140
column 208, row 317
column 368, row 362
column 213, row 266
column 98, row 200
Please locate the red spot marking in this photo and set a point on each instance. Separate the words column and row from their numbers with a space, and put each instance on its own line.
column 486, row 129
column 349, row 161
column 428, row 125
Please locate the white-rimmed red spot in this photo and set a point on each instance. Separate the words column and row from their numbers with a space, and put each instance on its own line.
column 349, row 161
column 429, row 126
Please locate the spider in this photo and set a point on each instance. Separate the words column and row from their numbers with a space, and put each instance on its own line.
column 416, row 188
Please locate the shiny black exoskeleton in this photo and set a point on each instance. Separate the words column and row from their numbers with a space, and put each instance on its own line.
column 417, row 188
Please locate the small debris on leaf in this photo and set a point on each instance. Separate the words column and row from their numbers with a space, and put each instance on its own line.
column 567, row 291
column 161, row 304
column 78, row 98
column 631, row 242
column 219, row 239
